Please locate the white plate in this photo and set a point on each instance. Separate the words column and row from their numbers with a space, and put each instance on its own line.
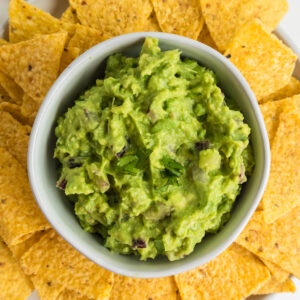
column 56, row 7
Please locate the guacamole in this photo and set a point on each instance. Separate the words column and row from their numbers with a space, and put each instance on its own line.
column 154, row 155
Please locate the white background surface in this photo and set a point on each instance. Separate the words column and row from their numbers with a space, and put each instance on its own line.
column 290, row 24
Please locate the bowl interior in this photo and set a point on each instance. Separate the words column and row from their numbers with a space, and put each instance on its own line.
column 43, row 170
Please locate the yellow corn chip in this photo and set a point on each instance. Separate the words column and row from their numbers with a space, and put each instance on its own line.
column 20, row 216
column 29, row 108
column 274, row 286
column 260, row 238
column 283, row 189
column 26, row 21
column 19, row 249
column 272, row 110
column 69, row 16
column 14, row 138
column 4, row 96
column 225, row 18
column 70, row 295
column 47, row 290
column 206, row 38
column 38, row 66
column 56, row 260
column 291, row 89
column 182, row 17
column 266, row 63
column 3, row 42
column 112, row 17
column 234, row 274
column 12, row 89
column 68, row 56
column 125, row 288
column 14, row 284
column 151, row 23
column 15, row 111
column 85, row 38
column 278, row 273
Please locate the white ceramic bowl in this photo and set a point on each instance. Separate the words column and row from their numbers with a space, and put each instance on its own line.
column 43, row 173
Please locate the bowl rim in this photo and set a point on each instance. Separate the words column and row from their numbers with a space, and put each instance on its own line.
column 60, row 82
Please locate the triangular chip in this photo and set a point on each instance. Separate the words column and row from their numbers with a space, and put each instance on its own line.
column 20, row 216
column 15, row 111
column 151, row 23
column 4, row 96
column 38, row 63
column 134, row 288
column 182, row 17
column 291, row 89
column 47, row 289
column 283, row 189
column 274, row 286
column 26, row 21
column 234, row 274
column 266, row 63
column 68, row 56
column 14, row 284
column 69, row 16
column 19, row 249
column 12, row 89
column 260, row 238
column 56, row 260
column 112, row 17
column 225, row 18
column 279, row 274
column 206, row 38
column 272, row 110
column 14, row 137
column 85, row 38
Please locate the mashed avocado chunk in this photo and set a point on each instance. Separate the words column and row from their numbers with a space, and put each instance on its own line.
column 152, row 156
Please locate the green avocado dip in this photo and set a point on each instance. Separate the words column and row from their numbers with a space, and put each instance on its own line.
column 153, row 156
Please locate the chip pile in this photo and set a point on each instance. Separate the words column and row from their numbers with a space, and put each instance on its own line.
column 40, row 47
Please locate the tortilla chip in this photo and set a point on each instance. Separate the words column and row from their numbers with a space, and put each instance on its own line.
column 47, row 290
column 29, row 108
column 283, row 188
column 4, row 96
column 272, row 110
column 19, row 249
column 56, row 260
column 279, row 274
column 14, row 138
column 234, row 274
column 68, row 56
column 225, row 18
column 69, row 16
column 85, row 38
column 274, row 286
column 143, row 289
column 3, row 42
column 260, row 238
column 26, row 21
column 151, row 23
column 206, row 38
column 70, row 295
column 182, row 17
column 15, row 111
column 12, row 89
column 112, row 17
column 14, row 284
column 38, row 66
column 266, row 63
column 291, row 89
column 20, row 216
